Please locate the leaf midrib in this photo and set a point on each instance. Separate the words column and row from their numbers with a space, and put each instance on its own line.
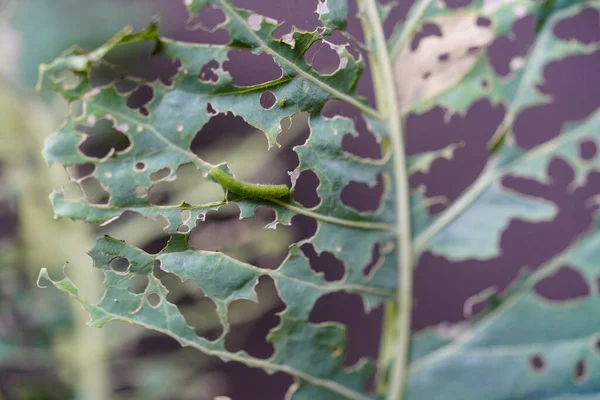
column 328, row 286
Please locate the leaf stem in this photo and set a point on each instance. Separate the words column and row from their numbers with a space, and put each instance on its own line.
column 387, row 103
column 331, row 219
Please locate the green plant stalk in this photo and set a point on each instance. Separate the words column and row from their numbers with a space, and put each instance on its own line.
column 387, row 103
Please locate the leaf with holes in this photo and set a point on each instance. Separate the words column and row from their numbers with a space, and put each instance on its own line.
column 159, row 135
column 447, row 234
column 452, row 66
column 529, row 346
column 147, row 128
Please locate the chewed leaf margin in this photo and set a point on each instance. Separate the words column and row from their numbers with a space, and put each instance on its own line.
column 161, row 137
column 531, row 344
column 320, row 361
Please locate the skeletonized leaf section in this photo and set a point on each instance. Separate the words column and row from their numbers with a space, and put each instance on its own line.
column 161, row 133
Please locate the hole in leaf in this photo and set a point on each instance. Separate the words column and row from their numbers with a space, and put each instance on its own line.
column 351, row 44
column 185, row 216
column 363, row 197
column 77, row 109
column 322, row 57
column 301, row 14
column 212, row 131
column 101, row 139
column 208, row 18
column 566, row 83
column 151, row 67
column 444, row 57
column 267, row 100
column 140, row 166
column 457, row 3
column 140, row 97
column 362, row 328
column 189, row 186
column 93, row 191
column 305, row 192
column 81, row 171
column 242, row 65
column 67, row 78
column 597, row 344
column 560, row 171
column 183, row 228
column 73, row 192
column 126, row 85
column 566, row 284
column 162, row 221
column 210, row 110
column 153, row 299
column 138, row 284
column 305, row 227
column 587, row 149
column 325, row 263
column 272, row 245
column 246, row 240
column 365, row 144
column 102, row 75
column 198, row 310
column 537, row 363
column 160, row 174
column 251, row 322
column 91, row 296
column 426, row 75
column 432, row 131
column 119, row 264
column 207, row 73
column 580, row 371
column 426, row 30
column 370, row 269
column 583, row 27
column 156, row 245
column 171, row 281
column 150, row 345
column 504, row 48
column 294, row 131
column 483, row 21
column 223, row 231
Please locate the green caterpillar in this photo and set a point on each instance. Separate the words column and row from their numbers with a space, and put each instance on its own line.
column 250, row 189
